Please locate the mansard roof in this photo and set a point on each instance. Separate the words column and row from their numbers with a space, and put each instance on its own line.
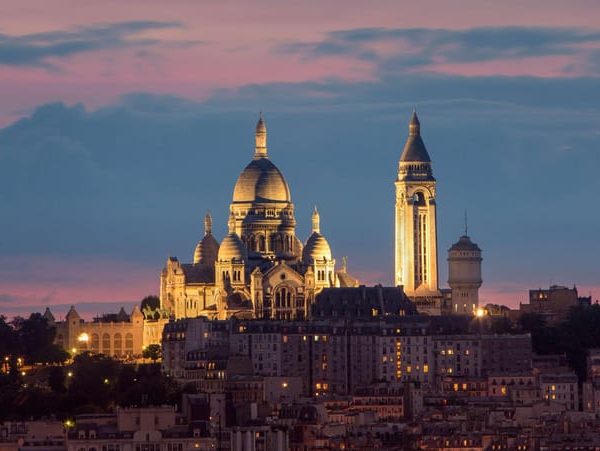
column 362, row 302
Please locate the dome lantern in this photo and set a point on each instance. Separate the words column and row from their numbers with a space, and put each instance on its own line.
column 207, row 224
column 316, row 221
column 260, row 149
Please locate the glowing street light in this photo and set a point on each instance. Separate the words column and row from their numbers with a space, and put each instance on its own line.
column 83, row 338
column 480, row 312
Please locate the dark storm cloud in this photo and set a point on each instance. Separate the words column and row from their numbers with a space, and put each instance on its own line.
column 37, row 48
column 418, row 47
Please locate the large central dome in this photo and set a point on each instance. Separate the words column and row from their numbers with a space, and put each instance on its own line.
column 261, row 181
column 262, row 207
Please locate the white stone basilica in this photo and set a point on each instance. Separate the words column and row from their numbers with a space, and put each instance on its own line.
column 261, row 269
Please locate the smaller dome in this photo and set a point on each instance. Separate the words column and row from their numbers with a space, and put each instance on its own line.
column 206, row 251
column 207, row 248
column 464, row 243
column 316, row 249
column 232, row 248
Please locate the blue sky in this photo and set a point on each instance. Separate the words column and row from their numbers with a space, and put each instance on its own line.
column 101, row 182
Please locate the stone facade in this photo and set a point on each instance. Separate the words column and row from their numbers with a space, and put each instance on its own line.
column 119, row 335
column 464, row 275
column 416, row 222
column 260, row 269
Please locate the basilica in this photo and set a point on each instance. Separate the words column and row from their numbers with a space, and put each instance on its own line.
column 261, row 269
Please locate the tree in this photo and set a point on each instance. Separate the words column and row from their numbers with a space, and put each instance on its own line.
column 151, row 301
column 8, row 338
column 35, row 340
column 56, row 379
column 153, row 352
column 94, row 376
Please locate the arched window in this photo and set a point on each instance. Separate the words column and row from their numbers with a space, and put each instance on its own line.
column 106, row 344
column 129, row 344
column 83, row 344
column 284, row 298
column 419, row 198
column 95, row 343
column 261, row 243
column 60, row 340
column 118, row 344
column 277, row 243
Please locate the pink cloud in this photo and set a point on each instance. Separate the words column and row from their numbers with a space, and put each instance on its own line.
column 38, row 281
column 237, row 41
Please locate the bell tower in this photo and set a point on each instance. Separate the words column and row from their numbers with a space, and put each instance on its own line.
column 416, row 225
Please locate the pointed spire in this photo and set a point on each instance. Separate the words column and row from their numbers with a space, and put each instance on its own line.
column 466, row 224
column 231, row 223
column 207, row 224
column 260, row 150
column 414, row 126
column 414, row 149
column 316, row 219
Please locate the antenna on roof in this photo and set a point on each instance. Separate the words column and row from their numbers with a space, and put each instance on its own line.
column 466, row 224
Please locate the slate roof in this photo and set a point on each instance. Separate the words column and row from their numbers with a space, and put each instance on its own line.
column 362, row 302
column 198, row 273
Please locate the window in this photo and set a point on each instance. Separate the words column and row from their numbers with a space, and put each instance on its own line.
column 95, row 343
column 129, row 343
column 118, row 343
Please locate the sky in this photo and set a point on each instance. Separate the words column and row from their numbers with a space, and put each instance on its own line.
column 122, row 123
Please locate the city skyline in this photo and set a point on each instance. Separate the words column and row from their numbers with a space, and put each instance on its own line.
column 97, row 194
